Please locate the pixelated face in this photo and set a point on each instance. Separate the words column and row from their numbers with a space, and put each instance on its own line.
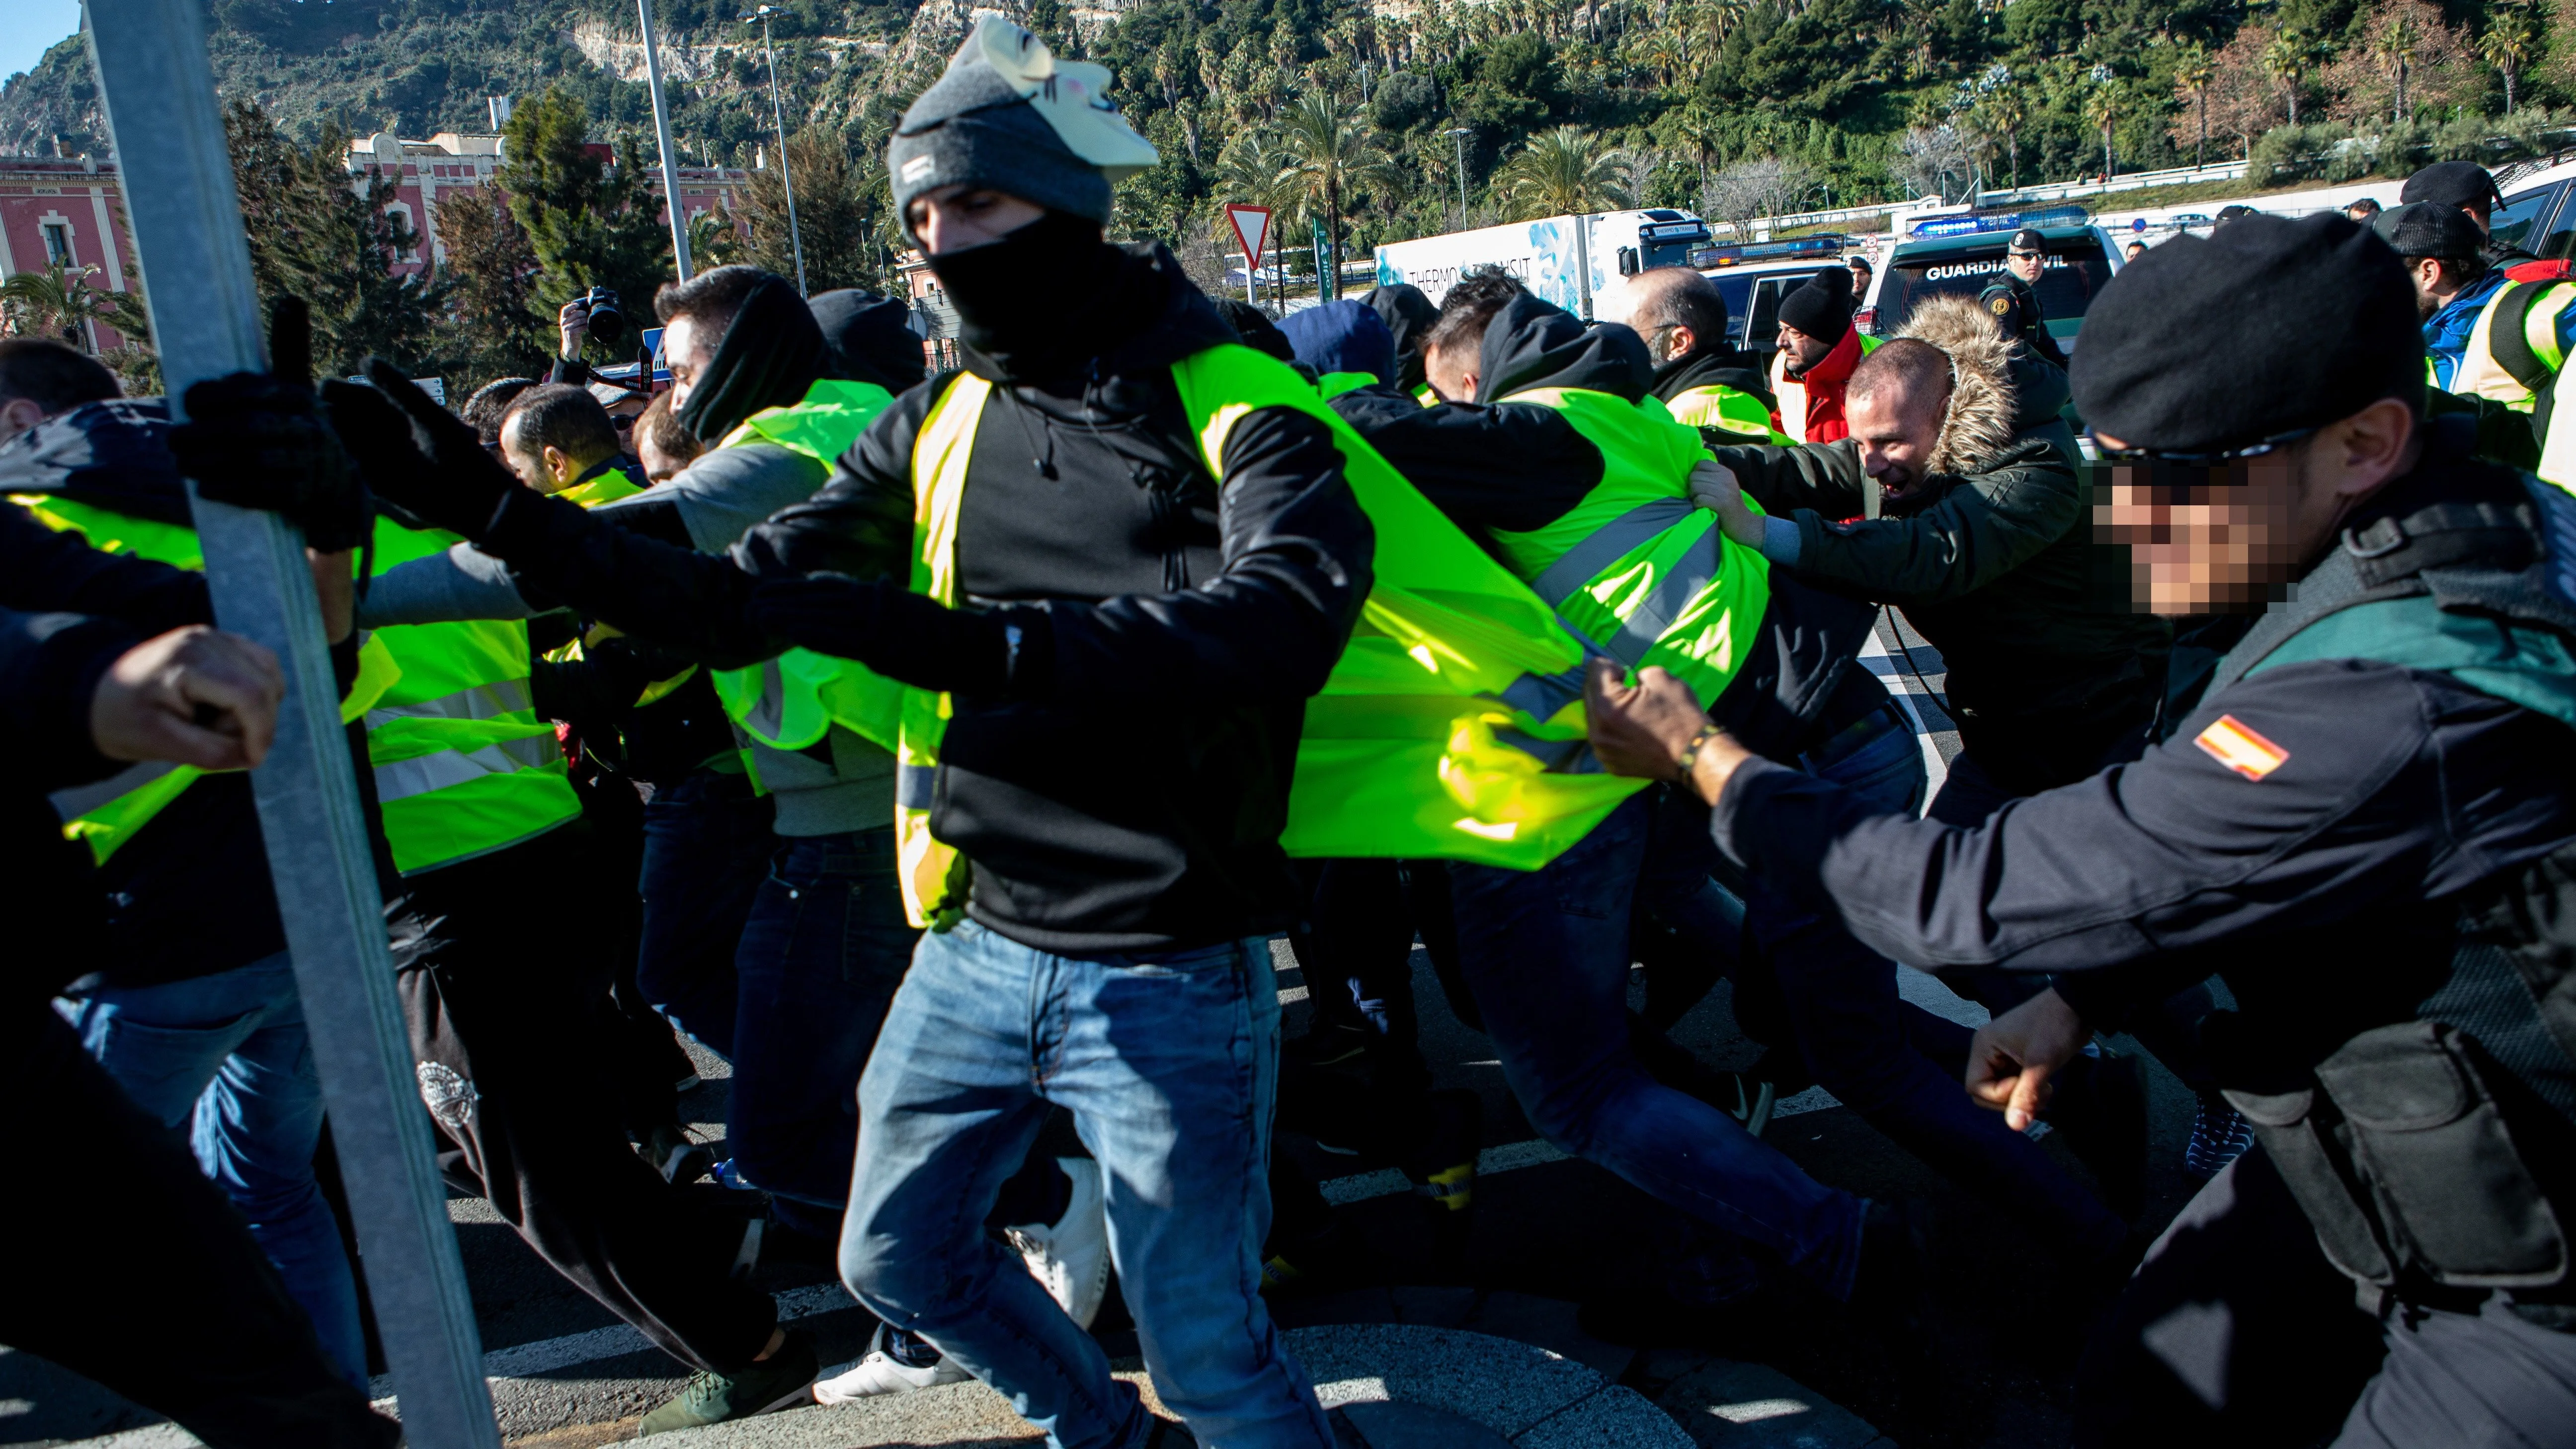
column 2214, row 540
column 1451, row 371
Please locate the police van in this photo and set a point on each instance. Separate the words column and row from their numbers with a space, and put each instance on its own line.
column 1961, row 253
column 1754, row 277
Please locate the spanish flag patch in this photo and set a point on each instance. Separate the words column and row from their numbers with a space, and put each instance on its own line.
column 2233, row 743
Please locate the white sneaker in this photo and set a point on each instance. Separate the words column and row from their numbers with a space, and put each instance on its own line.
column 877, row 1375
column 1071, row 1256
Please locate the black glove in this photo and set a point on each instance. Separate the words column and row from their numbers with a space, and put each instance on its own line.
column 907, row 637
column 417, row 454
column 257, row 440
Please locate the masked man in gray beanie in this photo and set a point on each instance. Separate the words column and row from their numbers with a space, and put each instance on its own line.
column 1127, row 575
column 2357, row 812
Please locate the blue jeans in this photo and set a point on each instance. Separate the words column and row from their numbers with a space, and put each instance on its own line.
column 707, row 846
column 1168, row 1065
column 227, row 1055
column 1896, row 1064
column 1546, row 952
column 826, row 946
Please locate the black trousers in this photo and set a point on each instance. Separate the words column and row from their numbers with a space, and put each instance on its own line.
column 2237, row 1331
column 145, row 1279
column 504, row 987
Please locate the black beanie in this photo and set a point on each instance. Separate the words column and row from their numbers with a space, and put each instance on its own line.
column 1823, row 307
column 2262, row 327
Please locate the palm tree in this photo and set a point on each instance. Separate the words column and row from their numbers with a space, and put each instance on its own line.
column 2393, row 46
column 2288, row 59
column 1328, row 154
column 2193, row 72
column 2512, row 39
column 1562, row 171
column 2102, row 111
column 47, row 303
column 2001, row 114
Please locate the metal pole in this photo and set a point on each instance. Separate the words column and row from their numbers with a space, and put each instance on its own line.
column 670, row 154
column 1458, row 139
column 795, row 239
column 159, row 96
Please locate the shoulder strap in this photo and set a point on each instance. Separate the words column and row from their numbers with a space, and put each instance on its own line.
column 2382, row 561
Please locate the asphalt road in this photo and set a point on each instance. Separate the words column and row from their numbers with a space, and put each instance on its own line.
column 568, row 1374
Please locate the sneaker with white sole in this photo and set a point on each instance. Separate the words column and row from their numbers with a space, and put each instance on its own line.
column 881, row 1373
column 1070, row 1256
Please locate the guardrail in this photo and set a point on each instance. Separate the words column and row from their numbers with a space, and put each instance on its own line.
column 1765, row 227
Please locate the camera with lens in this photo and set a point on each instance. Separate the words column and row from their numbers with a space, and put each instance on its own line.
column 607, row 316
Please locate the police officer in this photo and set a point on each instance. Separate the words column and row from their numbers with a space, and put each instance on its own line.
column 2012, row 298
column 2470, row 189
column 2358, row 815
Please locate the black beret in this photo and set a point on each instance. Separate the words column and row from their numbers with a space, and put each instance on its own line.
column 2452, row 183
column 2028, row 239
column 2265, row 326
column 2431, row 229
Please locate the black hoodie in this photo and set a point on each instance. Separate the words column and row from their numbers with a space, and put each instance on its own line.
column 1138, row 805
column 1521, row 466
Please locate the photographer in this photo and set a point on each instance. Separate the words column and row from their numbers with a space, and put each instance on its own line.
column 595, row 313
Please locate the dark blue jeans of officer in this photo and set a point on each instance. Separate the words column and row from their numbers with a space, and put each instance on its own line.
column 1546, row 954
column 2236, row 1330
column 707, row 845
column 1891, row 1061
column 822, row 954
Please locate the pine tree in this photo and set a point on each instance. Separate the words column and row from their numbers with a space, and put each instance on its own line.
column 588, row 223
column 839, row 203
column 493, row 327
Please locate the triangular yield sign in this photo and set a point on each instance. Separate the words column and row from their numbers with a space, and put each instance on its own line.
column 1251, row 228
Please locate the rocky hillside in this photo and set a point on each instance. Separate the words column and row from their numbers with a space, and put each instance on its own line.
column 421, row 66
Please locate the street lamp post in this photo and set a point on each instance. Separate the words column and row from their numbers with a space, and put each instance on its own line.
column 670, row 156
column 778, row 115
column 1458, row 138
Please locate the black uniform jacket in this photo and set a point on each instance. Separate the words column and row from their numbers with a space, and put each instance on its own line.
column 1137, row 805
column 1518, row 467
column 2322, row 885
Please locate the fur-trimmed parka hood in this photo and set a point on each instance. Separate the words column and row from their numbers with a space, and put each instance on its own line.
column 1985, row 404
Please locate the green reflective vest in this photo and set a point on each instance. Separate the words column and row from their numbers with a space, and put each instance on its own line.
column 463, row 765
column 1727, row 409
column 609, row 485
column 108, row 813
column 791, row 701
column 1450, row 728
column 1636, row 568
column 1333, row 384
column 2513, row 349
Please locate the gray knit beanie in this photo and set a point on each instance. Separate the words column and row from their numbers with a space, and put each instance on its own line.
column 1009, row 116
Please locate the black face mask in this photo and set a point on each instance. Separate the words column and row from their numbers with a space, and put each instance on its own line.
column 1028, row 302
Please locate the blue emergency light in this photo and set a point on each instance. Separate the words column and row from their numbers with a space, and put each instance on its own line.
column 2001, row 221
column 1792, row 250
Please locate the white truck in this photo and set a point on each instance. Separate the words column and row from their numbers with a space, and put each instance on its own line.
column 1569, row 260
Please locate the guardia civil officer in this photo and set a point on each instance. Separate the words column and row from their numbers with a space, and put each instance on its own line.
column 2012, row 298
column 2359, row 814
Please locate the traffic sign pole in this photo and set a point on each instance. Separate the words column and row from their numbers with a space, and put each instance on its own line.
column 1251, row 228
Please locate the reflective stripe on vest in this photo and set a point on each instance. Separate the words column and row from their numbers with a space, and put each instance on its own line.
column 792, row 701
column 2513, row 349
column 463, row 765
column 1727, row 409
column 105, row 814
column 1451, row 726
column 1635, row 567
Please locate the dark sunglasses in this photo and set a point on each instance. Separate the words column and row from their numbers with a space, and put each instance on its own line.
column 2210, row 459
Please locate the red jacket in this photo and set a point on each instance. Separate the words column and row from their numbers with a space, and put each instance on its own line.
column 1812, row 402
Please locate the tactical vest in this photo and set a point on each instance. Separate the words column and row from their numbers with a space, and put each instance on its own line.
column 2430, row 1154
column 1635, row 569
column 792, row 701
column 106, row 814
column 1450, row 728
column 1728, row 410
column 463, row 765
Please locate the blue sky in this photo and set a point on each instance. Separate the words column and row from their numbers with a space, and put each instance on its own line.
column 31, row 28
